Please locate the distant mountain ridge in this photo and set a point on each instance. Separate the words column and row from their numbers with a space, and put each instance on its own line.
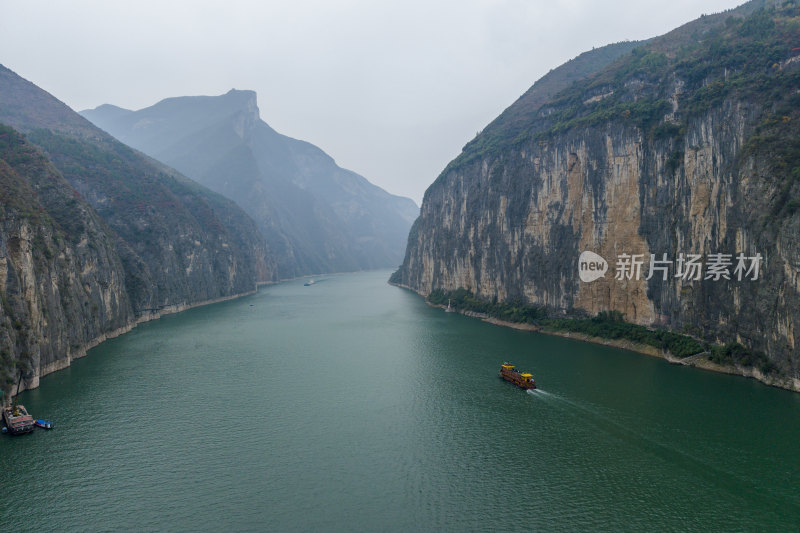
column 315, row 216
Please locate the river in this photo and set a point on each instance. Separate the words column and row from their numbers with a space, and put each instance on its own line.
column 350, row 405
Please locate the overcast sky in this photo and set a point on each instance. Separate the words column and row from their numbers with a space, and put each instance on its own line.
column 390, row 89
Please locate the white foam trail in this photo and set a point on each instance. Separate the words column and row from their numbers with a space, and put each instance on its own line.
column 540, row 392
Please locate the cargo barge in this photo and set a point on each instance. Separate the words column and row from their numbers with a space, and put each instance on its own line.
column 17, row 420
column 16, row 417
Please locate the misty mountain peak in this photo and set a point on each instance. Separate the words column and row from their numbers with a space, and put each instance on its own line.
column 107, row 110
column 315, row 216
column 245, row 99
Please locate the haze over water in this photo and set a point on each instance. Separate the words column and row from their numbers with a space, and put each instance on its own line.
column 350, row 405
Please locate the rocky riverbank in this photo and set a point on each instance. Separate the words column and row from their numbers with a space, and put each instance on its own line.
column 82, row 350
column 700, row 360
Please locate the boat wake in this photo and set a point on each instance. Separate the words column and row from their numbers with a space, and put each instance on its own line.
column 540, row 392
column 609, row 424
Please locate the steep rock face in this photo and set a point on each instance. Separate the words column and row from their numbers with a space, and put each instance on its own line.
column 61, row 281
column 687, row 145
column 172, row 235
column 315, row 216
column 131, row 237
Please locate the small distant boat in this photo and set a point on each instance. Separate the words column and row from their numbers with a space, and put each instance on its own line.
column 308, row 283
column 46, row 424
column 520, row 379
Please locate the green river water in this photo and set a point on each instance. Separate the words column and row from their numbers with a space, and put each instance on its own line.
column 350, row 405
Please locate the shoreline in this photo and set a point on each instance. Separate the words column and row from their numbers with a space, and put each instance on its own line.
column 697, row 361
column 82, row 351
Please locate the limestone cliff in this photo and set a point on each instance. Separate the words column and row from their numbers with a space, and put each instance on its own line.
column 686, row 145
column 61, row 280
column 95, row 237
